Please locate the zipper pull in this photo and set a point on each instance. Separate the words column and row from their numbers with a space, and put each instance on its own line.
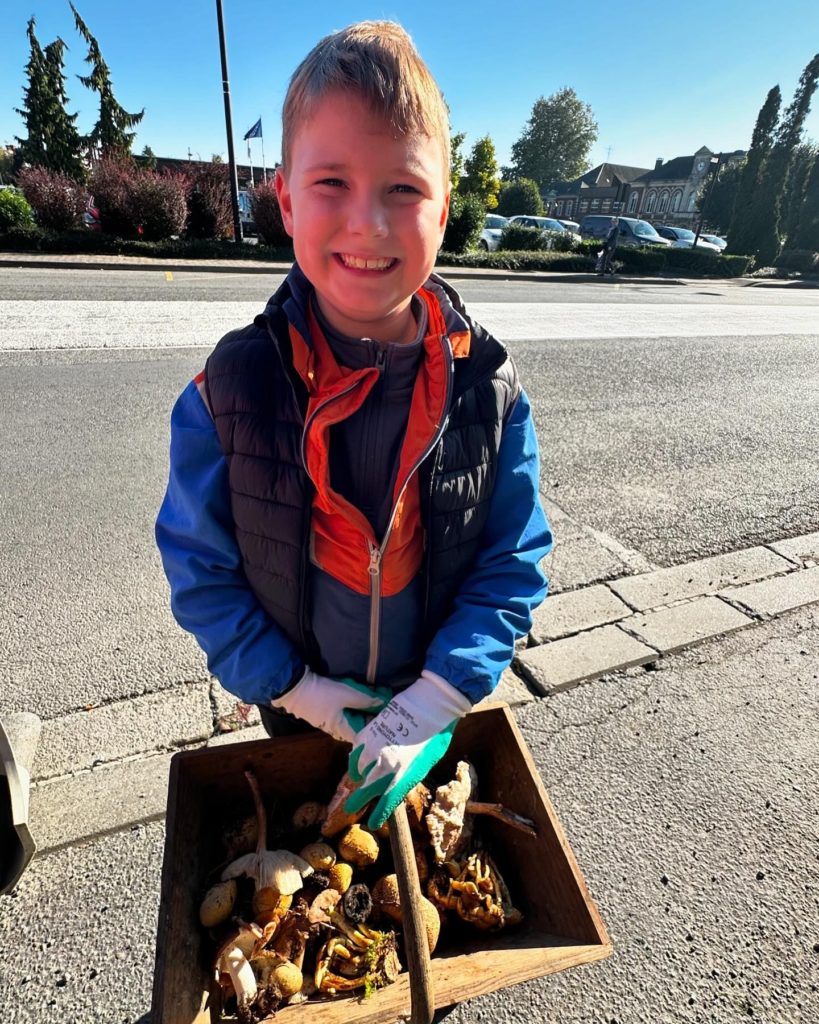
column 375, row 559
column 380, row 358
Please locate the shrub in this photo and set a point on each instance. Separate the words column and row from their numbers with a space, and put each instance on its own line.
column 15, row 210
column 112, row 183
column 519, row 238
column 158, row 204
column 707, row 264
column 210, row 214
column 648, row 260
column 502, row 260
column 801, row 260
column 521, row 195
column 264, row 209
column 58, row 201
column 467, row 216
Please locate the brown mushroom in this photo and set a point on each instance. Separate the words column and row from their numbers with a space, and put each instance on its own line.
column 386, row 897
column 319, row 856
column 359, row 846
column 309, row 814
column 218, row 903
column 340, row 876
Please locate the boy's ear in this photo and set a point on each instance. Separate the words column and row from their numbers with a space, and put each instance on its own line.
column 285, row 201
column 444, row 215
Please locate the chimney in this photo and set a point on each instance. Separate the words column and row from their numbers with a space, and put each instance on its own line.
column 658, row 163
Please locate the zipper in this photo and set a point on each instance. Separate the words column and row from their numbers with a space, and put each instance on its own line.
column 376, row 551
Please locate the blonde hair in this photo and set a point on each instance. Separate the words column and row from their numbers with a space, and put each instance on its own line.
column 378, row 61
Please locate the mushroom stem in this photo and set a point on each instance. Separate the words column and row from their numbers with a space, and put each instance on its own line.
column 502, row 814
column 261, row 813
column 241, row 974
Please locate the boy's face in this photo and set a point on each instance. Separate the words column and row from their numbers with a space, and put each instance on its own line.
column 367, row 212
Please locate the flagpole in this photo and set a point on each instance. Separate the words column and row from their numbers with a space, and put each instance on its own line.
column 234, row 181
column 264, row 167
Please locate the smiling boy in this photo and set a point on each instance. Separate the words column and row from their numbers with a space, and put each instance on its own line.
column 352, row 527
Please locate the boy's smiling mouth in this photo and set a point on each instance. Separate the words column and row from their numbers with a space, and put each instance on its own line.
column 377, row 263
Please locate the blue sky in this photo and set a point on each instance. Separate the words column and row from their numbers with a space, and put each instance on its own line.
column 662, row 79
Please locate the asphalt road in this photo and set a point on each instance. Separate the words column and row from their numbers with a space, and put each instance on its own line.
column 688, row 793
column 692, row 435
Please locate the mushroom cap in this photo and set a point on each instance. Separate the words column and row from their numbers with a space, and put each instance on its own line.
column 217, row 903
column 359, row 846
column 288, row 978
column 447, row 822
column 340, row 876
column 308, row 814
column 320, row 856
column 386, row 896
column 322, row 905
column 272, row 869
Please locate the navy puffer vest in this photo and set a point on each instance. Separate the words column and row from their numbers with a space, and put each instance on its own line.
column 258, row 402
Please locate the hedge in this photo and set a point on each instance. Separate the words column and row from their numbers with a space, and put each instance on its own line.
column 510, row 260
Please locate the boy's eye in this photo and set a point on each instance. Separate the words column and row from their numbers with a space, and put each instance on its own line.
column 334, row 182
column 404, row 188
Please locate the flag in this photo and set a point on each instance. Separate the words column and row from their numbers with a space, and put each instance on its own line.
column 255, row 132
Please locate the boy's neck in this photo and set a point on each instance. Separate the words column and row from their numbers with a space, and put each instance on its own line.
column 399, row 327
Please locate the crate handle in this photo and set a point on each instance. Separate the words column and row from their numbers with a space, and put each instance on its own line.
column 415, row 933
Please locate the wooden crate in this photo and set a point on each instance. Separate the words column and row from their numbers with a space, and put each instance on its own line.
column 562, row 927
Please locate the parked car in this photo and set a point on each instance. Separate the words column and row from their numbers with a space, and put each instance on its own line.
column 246, row 215
column 492, row 231
column 682, row 238
column 544, row 223
column 720, row 243
column 570, row 225
column 91, row 217
column 632, row 231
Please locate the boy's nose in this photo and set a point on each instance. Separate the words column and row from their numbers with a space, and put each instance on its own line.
column 368, row 217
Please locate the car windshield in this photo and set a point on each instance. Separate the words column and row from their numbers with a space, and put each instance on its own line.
column 644, row 230
column 684, row 234
column 552, row 225
column 494, row 221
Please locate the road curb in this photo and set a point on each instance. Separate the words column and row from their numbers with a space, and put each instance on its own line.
column 94, row 262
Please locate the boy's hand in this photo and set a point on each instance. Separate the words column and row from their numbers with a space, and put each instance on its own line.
column 394, row 751
column 340, row 707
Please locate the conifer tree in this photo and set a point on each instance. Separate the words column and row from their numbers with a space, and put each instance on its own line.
column 807, row 233
column 481, row 176
column 37, row 106
column 109, row 134
column 64, row 141
column 741, row 233
column 777, row 167
column 803, row 159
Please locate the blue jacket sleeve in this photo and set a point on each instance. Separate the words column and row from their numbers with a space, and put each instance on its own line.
column 495, row 604
column 210, row 596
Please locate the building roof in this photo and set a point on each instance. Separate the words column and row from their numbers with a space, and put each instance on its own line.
column 604, row 175
column 677, row 169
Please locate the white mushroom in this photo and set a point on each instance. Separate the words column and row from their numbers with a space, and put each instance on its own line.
column 232, row 963
column 270, row 869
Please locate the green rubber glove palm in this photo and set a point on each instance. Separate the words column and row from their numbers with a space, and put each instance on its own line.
column 339, row 707
column 397, row 748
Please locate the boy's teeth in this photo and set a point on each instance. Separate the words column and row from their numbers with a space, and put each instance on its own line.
column 360, row 263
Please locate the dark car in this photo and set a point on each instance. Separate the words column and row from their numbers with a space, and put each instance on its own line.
column 683, row 238
column 632, row 231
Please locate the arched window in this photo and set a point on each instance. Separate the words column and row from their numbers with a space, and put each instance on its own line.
column 568, row 209
column 662, row 206
column 652, row 199
column 675, row 201
column 692, row 202
column 559, row 208
column 632, row 202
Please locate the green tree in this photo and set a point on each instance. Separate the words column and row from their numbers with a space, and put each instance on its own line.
column 148, row 158
column 38, row 104
column 52, row 140
column 742, row 230
column 716, row 204
column 776, row 170
column 110, row 134
column 556, row 141
column 521, row 195
column 6, row 166
column 481, row 177
column 456, row 159
column 807, row 234
column 803, row 160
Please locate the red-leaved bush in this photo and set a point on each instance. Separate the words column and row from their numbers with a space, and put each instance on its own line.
column 264, row 208
column 158, row 204
column 112, row 182
column 58, row 201
column 209, row 205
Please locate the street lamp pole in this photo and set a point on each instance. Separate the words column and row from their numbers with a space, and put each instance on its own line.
column 234, row 181
column 713, row 172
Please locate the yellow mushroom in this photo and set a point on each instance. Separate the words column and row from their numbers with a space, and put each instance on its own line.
column 358, row 846
column 218, row 903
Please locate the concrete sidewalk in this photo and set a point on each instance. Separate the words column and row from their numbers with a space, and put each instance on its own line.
column 91, row 261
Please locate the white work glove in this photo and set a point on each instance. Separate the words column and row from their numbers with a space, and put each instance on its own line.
column 398, row 747
column 339, row 707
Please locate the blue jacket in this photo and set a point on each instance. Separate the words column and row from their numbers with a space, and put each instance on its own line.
column 251, row 655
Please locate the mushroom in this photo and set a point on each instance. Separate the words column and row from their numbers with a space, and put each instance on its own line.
column 269, row 906
column 448, row 820
column 359, row 958
column 231, row 964
column 417, row 802
column 218, row 903
column 337, row 818
column 359, row 846
column 357, row 903
column 322, row 906
column 319, row 856
column 340, row 876
column 386, row 897
column 308, row 814
column 270, row 869
column 474, row 889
